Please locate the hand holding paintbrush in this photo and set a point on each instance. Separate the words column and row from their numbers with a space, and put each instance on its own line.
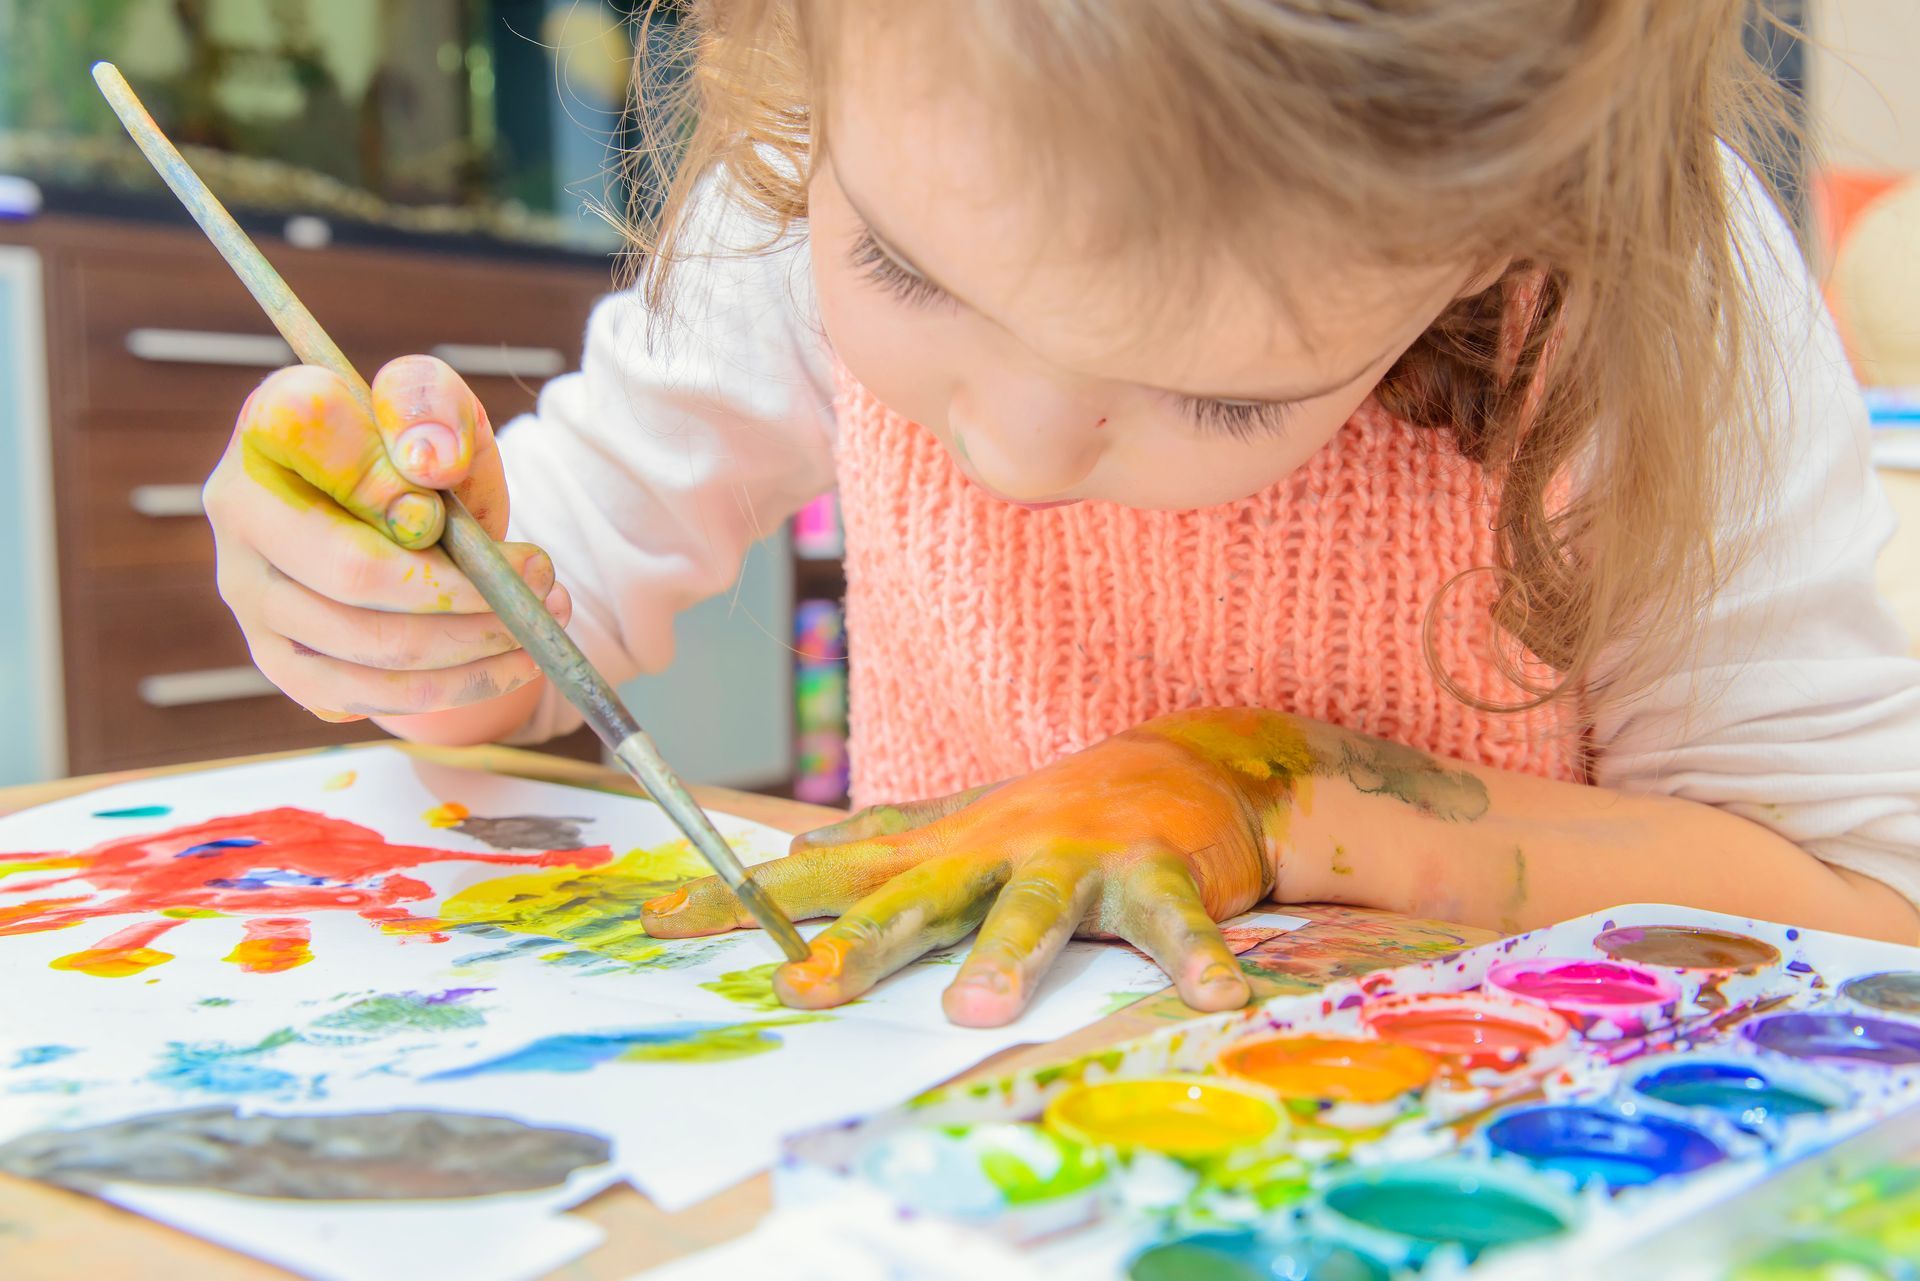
column 416, row 520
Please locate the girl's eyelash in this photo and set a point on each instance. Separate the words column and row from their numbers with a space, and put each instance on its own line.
column 1241, row 419
column 878, row 266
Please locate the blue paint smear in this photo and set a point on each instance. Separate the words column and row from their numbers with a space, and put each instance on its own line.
column 35, row 1055
column 208, row 849
column 577, row 1051
column 136, row 811
column 269, row 878
column 535, row 943
column 216, row 1067
column 1591, row 1143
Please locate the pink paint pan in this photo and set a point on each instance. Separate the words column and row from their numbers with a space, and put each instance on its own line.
column 1603, row 999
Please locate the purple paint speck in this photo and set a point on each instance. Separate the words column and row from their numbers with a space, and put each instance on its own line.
column 1792, row 935
column 1799, row 967
column 1350, row 1000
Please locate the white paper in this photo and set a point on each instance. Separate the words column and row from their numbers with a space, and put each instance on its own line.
column 693, row 1087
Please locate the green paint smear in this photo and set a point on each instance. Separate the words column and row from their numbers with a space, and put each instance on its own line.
column 214, row 1002
column 752, row 988
column 1021, row 1184
column 402, row 1012
column 741, row 1041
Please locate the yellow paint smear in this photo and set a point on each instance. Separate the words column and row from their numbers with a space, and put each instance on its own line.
column 111, row 962
column 447, row 814
column 595, row 909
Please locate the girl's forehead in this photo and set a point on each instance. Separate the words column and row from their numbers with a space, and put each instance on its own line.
column 947, row 185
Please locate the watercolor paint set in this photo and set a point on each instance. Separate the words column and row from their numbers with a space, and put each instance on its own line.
column 1547, row 1105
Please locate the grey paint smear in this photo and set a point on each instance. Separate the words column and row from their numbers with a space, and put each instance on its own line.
column 525, row 831
column 365, row 1156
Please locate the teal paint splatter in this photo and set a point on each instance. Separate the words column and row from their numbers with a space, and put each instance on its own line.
column 136, row 811
column 35, row 1055
column 216, row 1067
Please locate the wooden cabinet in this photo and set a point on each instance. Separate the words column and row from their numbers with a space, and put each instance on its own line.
column 152, row 345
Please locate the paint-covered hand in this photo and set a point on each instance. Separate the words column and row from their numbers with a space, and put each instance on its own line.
column 325, row 521
column 1151, row 836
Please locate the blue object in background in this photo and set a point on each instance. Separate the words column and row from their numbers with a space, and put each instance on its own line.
column 31, row 746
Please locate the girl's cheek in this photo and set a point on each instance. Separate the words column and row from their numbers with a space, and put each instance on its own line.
column 907, row 356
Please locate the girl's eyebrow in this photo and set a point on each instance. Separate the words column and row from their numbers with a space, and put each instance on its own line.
column 887, row 247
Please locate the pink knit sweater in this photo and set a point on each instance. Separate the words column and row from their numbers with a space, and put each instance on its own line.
column 990, row 639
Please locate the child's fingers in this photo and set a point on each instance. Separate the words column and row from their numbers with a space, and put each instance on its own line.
column 926, row 907
column 436, row 432
column 336, row 686
column 1162, row 914
column 819, row 882
column 888, row 820
column 315, row 544
column 1031, row 920
column 314, row 623
column 305, row 420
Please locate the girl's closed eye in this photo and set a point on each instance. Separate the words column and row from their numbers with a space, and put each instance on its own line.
column 1240, row 419
column 872, row 260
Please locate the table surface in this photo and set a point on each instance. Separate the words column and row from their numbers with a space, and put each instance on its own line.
column 48, row 1234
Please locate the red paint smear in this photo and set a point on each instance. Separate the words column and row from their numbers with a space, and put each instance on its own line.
column 355, row 865
column 410, row 928
column 273, row 944
column 121, row 954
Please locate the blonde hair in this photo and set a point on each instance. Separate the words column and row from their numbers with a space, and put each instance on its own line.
column 1582, row 139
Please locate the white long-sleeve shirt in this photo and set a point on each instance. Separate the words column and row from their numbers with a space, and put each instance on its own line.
column 648, row 474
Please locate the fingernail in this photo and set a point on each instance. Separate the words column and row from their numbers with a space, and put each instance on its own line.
column 994, row 981
column 666, row 904
column 427, row 447
column 411, row 516
column 1216, row 974
column 538, row 573
column 559, row 602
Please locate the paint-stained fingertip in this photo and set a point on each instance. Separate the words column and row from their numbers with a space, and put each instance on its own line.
column 1217, row 988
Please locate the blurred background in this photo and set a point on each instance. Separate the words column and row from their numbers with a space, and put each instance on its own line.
column 436, row 175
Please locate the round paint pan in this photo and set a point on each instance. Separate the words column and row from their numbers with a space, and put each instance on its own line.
column 1707, row 962
column 1850, row 1040
column 1605, row 1000
column 1344, row 1083
column 1890, row 991
column 1188, row 1118
column 1253, row 1256
column 1471, row 1031
column 1591, row 1143
column 1024, row 1180
column 1747, row 1094
column 1407, row 1213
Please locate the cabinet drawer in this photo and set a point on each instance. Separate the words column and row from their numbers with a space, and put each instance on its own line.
column 164, row 675
column 133, row 501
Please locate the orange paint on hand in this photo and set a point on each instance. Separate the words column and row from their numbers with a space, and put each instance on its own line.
column 826, row 962
column 272, row 944
column 120, row 955
column 447, row 814
column 1336, row 1069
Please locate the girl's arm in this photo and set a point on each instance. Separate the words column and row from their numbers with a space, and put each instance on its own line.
column 1155, row 834
column 648, row 474
column 1543, row 851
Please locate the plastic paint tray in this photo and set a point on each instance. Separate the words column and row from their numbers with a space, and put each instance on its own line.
column 1688, row 1224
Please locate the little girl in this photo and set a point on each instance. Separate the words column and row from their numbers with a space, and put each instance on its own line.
column 1385, row 454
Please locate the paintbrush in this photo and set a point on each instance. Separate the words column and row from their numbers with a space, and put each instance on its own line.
column 465, row 542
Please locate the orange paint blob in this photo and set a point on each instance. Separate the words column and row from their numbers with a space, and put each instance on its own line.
column 120, row 955
column 1186, row 1117
column 1466, row 1029
column 447, row 814
column 1337, row 1069
column 272, row 944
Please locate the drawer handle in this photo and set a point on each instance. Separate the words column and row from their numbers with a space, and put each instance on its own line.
column 203, row 347
column 161, row 501
column 497, row 360
column 212, row 685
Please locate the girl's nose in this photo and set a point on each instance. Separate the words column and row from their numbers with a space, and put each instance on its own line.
column 1028, row 439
